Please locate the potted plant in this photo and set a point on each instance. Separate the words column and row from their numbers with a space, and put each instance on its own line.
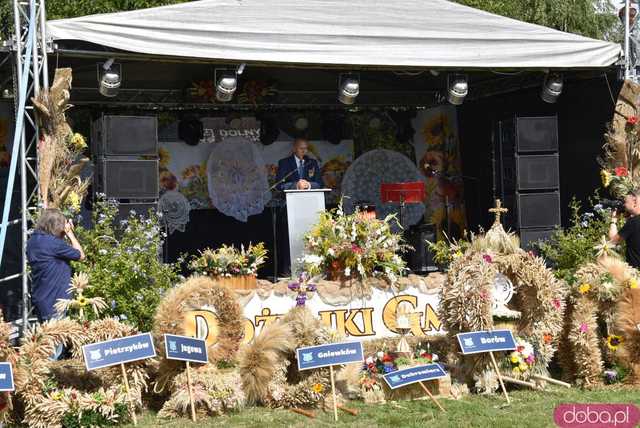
column 236, row 268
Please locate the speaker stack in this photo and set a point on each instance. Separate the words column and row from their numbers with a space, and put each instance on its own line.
column 126, row 152
column 527, row 176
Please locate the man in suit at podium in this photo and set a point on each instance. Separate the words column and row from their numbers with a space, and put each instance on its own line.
column 299, row 171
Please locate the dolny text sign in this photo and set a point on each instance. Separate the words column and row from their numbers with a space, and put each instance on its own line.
column 118, row 351
column 332, row 354
column 414, row 374
column 476, row 342
column 185, row 348
column 6, row 377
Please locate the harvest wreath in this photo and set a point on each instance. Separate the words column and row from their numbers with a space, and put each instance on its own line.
column 468, row 300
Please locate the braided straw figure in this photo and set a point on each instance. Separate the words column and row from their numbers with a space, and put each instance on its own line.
column 194, row 294
column 627, row 326
column 467, row 305
column 600, row 296
column 42, row 385
column 268, row 367
column 215, row 392
column 7, row 354
column 60, row 159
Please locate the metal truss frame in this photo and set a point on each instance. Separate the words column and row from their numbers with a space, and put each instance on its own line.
column 30, row 76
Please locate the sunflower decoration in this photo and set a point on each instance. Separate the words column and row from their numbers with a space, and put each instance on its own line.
column 163, row 157
column 435, row 131
column 614, row 341
column 584, row 288
column 79, row 284
column 77, row 141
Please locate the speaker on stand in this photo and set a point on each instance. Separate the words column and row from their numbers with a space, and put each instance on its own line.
column 527, row 176
column 420, row 259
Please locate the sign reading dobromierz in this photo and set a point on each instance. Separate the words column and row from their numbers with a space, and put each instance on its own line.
column 332, row 354
column 185, row 348
column 118, row 351
column 6, row 377
column 486, row 341
column 414, row 374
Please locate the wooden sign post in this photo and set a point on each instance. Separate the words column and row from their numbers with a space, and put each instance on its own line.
column 477, row 342
column 333, row 354
column 118, row 352
column 187, row 349
column 417, row 374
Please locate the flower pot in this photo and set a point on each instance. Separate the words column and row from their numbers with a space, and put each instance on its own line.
column 239, row 282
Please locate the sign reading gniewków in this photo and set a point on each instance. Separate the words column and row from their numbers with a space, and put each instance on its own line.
column 486, row 341
column 414, row 374
column 313, row 357
column 117, row 351
column 185, row 348
column 6, row 377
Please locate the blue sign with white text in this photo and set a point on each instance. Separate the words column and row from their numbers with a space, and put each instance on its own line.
column 117, row 351
column 476, row 342
column 331, row 354
column 6, row 377
column 185, row 348
column 414, row 374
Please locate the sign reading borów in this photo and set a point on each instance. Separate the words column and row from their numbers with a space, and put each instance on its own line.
column 313, row 357
column 117, row 351
column 414, row 374
column 185, row 348
column 6, row 377
column 486, row 341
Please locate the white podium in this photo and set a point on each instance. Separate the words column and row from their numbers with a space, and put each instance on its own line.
column 303, row 211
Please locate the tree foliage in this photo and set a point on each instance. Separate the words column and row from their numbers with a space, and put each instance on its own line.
column 58, row 9
column 591, row 18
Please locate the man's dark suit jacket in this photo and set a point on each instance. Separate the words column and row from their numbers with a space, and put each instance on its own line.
column 288, row 166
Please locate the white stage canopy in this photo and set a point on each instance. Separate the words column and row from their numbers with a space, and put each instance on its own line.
column 368, row 33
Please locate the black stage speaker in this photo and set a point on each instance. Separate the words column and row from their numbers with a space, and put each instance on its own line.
column 538, row 209
column 529, row 135
column 125, row 136
column 529, row 237
column 420, row 259
column 127, row 179
column 538, row 172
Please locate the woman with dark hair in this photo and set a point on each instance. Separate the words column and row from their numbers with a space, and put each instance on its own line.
column 49, row 255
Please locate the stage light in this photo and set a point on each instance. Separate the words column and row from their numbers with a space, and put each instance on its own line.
column 457, row 88
column 109, row 78
column 227, row 82
column 348, row 88
column 226, row 85
column 551, row 88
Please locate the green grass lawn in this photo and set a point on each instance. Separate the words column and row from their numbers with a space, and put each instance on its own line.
column 527, row 409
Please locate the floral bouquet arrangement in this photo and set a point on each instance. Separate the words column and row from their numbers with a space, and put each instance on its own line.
column 621, row 159
column 228, row 261
column 523, row 358
column 381, row 363
column 353, row 246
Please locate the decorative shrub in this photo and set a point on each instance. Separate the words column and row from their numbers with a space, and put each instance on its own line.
column 123, row 263
column 578, row 244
